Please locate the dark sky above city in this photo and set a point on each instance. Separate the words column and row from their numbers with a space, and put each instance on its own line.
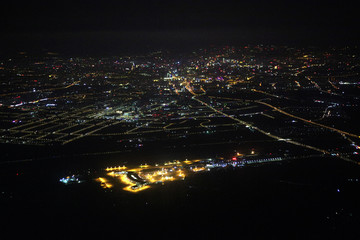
column 106, row 26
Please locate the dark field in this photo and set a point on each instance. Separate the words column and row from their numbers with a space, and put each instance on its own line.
column 300, row 199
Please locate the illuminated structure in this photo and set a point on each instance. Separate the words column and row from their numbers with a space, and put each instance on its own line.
column 104, row 182
column 142, row 177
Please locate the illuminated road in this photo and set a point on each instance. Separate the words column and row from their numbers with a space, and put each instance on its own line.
column 269, row 134
column 308, row 121
column 293, row 116
column 319, row 88
column 41, row 90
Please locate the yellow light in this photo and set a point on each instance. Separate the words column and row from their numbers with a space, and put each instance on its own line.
column 124, row 179
column 104, row 183
column 128, row 188
column 198, row 169
column 151, row 174
column 115, row 168
column 101, row 179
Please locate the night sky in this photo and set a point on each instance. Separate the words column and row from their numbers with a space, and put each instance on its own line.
column 137, row 25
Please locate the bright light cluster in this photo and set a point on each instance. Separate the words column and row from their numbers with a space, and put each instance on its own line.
column 104, row 182
column 145, row 175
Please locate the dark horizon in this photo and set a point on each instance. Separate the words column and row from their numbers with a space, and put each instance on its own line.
column 117, row 27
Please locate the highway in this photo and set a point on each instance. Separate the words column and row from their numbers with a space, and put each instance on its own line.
column 41, row 90
column 268, row 133
column 319, row 88
column 293, row 116
column 308, row 121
